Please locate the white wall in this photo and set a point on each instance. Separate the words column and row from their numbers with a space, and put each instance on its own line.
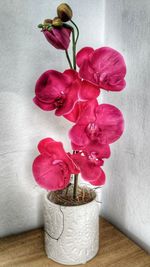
column 25, row 56
column 126, row 196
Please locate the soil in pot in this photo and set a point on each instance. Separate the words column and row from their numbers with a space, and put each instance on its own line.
column 65, row 197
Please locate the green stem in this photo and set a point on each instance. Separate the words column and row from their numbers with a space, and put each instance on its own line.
column 76, row 29
column 68, row 58
column 74, row 49
column 74, row 42
column 75, row 186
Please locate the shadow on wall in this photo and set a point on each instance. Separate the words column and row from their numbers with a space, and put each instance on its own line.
column 121, row 197
column 126, row 197
column 21, row 198
column 23, row 125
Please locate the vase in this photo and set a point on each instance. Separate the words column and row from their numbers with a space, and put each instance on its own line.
column 71, row 232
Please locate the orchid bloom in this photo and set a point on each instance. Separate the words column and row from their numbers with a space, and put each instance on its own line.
column 100, row 124
column 53, row 167
column 89, row 160
column 104, row 67
column 56, row 90
column 90, row 168
column 61, row 91
column 58, row 37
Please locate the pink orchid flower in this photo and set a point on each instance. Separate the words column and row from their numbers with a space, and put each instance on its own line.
column 89, row 160
column 61, row 91
column 100, row 124
column 58, row 37
column 53, row 167
column 90, row 168
column 56, row 90
column 104, row 67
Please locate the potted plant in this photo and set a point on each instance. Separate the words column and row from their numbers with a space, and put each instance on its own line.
column 71, row 214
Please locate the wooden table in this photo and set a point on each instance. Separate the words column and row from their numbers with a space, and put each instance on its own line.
column 27, row 250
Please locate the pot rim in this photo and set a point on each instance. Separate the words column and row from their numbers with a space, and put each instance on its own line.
column 73, row 206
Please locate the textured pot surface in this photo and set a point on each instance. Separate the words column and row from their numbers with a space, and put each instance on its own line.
column 71, row 232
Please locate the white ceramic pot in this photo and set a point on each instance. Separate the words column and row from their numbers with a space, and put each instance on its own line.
column 71, row 232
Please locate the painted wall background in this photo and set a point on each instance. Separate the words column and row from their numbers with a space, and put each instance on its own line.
column 122, row 24
column 25, row 55
column 126, row 196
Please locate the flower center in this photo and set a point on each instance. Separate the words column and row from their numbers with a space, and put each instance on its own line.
column 93, row 158
column 94, row 132
column 101, row 78
column 59, row 101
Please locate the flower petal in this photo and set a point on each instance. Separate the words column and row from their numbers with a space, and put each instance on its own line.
column 100, row 179
column 109, row 67
column 75, row 114
column 78, row 135
column 114, row 84
column 83, row 54
column 88, row 91
column 71, row 99
column 49, row 86
column 86, row 72
column 108, row 60
column 71, row 75
column 74, row 169
column 77, row 147
column 90, row 172
column 52, row 148
column 110, row 122
column 104, row 67
column 87, row 113
column 43, row 105
column 43, row 145
column 99, row 150
column 56, row 152
column 49, row 175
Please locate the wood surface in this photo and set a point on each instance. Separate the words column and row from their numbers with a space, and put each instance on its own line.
column 116, row 250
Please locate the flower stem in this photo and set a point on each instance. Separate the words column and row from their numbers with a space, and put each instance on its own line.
column 76, row 29
column 74, row 42
column 74, row 49
column 68, row 58
column 75, row 186
column 73, row 66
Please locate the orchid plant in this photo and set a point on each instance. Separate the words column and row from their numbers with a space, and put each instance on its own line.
column 73, row 94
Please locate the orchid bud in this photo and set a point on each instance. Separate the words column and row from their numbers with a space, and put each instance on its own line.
column 40, row 26
column 64, row 12
column 56, row 22
column 48, row 21
column 59, row 37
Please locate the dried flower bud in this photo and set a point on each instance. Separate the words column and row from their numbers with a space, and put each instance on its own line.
column 48, row 21
column 64, row 12
column 56, row 22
